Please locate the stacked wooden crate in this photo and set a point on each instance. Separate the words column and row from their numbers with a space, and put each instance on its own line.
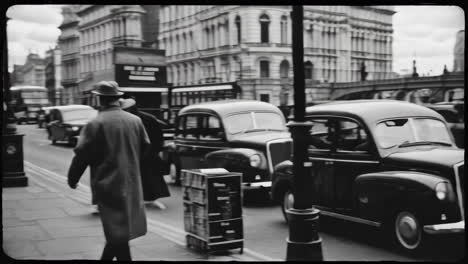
column 213, row 209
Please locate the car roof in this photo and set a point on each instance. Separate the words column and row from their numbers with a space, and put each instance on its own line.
column 372, row 110
column 65, row 108
column 226, row 107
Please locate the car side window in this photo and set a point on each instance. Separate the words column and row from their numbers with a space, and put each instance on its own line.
column 191, row 126
column 321, row 134
column 211, row 128
column 180, row 127
column 351, row 136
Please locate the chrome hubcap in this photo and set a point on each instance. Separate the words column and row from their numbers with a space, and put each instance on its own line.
column 407, row 230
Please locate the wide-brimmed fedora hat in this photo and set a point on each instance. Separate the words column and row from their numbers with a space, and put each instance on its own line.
column 107, row 88
column 126, row 103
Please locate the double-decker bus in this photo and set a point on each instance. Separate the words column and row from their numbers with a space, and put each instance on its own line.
column 165, row 102
column 26, row 101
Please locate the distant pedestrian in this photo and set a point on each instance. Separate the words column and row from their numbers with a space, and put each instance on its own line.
column 112, row 145
column 154, row 185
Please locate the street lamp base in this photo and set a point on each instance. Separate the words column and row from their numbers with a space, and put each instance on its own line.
column 12, row 158
column 304, row 243
column 16, row 179
column 309, row 251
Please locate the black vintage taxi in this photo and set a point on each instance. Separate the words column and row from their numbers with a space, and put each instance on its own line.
column 239, row 135
column 384, row 163
column 66, row 122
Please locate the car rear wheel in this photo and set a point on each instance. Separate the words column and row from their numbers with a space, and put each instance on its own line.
column 407, row 231
column 287, row 203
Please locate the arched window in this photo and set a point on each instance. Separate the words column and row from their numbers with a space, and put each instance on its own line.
column 264, row 28
column 284, row 30
column 264, row 69
column 308, row 70
column 284, row 69
column 176, row 45
column 238, row 27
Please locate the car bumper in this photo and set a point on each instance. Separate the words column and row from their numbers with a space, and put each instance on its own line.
column 256, row 185
column 449, row 228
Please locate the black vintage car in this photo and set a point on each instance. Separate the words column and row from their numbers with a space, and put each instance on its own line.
column 239, row 135
column 66, row 122
column 383, row 163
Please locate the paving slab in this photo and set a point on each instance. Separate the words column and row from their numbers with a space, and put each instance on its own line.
column 35, row 189
column 26, row 215
column 9, row 204
column 66, row 222
column 62, row 246
column 15, row 221
column 72, row 256
column 43, row 195
column 18, row 196
column 46, row 203
column 79, row 210
column 21, row 249
column 93, row 231
column 29, row 232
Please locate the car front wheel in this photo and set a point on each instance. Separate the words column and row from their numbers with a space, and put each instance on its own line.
column 287, row 203
column 407, row 231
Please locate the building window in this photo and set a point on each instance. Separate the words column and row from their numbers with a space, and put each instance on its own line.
column 308, row 70
column 238, row 27
column 264, row 69
column 264, row 27
column 284, row 30
column 284, row 69
column 265, row 98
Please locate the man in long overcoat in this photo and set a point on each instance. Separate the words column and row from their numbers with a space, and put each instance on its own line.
column 154, row 185
column 112, row 145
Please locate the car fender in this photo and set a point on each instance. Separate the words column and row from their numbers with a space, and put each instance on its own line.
column 379, row 195
column 282, row 179
column 235, row 157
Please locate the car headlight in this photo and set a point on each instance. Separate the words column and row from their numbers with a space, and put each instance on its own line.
column 255, row 160
column 441, row 190
column 75, row 128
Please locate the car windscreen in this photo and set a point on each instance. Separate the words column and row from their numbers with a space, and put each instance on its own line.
column 404, row 132
column 254, row 121
column 79, row 115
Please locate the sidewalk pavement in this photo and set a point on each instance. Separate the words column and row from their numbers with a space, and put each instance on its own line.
column 43, row 223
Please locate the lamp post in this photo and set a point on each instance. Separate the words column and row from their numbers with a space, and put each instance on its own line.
column 303, row 242
column 12, row 148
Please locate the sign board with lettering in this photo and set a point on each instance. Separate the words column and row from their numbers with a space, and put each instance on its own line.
column 140, row 75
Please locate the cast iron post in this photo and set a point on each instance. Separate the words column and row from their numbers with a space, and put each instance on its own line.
column 304, row 242
column 12, row 147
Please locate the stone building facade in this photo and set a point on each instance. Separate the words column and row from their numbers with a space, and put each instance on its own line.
column 32, row 72
column 92, row 33
column 53, row 75
column 252, row 45
column 69, row 43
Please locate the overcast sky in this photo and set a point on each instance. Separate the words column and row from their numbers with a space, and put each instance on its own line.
column 426, row 33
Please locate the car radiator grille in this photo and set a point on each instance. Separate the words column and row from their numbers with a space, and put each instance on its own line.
column 460, row 173
column 279, row 151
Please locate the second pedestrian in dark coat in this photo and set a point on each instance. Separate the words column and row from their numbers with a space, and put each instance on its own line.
column 154, row 185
